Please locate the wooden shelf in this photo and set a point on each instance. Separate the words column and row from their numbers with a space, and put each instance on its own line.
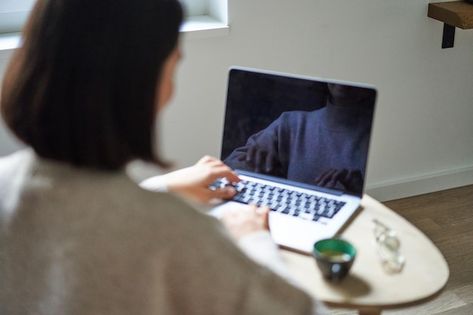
column 457, row 13
column 452, row 14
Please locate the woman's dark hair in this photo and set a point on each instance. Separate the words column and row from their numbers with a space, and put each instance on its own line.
column 82, row 86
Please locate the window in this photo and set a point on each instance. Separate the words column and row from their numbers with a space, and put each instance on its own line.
column 200, row 14
column 195, row 7
column 206, row 15
column 13, row 14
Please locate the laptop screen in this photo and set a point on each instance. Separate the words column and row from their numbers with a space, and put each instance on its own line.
column 304, row 130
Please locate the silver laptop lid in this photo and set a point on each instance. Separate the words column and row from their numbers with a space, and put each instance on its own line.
column 304, row 131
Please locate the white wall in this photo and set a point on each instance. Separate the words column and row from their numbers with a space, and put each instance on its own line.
column 423, row 134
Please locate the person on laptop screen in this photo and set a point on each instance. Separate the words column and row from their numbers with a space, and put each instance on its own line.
column 323, row 147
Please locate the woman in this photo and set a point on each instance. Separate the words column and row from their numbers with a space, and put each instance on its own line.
column 77, row 235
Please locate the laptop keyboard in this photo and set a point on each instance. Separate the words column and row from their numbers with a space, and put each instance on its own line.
column 286, row 201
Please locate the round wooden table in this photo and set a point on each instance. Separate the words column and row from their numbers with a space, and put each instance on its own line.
column 368, row 287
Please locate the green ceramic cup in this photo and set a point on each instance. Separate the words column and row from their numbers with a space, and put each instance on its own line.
column 334, row 258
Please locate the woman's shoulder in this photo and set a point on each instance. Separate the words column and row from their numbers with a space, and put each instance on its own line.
column 73, row 193
column 106, row 206
column 117, row 195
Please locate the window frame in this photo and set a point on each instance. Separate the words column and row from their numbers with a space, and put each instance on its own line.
column 13, row 14
column 200, row 15
column 212, row 23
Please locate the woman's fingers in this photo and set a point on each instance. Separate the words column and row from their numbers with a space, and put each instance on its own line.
column 218, row 169
column 263, row 212
column 222, row 193
column 215, row 163
column 193, row 182
column 244, row 220
column 207, row 159
column 223, row 171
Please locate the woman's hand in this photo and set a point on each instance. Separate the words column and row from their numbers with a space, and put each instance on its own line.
column 193, row 182
column 243, row 220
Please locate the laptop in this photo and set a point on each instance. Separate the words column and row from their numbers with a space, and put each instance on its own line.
column 300, row 146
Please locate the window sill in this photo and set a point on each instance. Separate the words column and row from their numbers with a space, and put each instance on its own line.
column 195, row 27
column 204, row 26
column 9, row 41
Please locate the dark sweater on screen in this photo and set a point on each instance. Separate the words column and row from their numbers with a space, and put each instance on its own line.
column 310, row 144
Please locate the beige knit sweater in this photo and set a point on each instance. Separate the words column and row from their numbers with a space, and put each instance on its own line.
column 75, row 241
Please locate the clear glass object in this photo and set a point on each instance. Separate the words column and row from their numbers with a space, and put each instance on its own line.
column 389, row 248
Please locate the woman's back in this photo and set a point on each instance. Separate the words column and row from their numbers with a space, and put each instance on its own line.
column 92, row 242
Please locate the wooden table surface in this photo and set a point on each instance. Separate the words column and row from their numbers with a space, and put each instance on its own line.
column 369, row 287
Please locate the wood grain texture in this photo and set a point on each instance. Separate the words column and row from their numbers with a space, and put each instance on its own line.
column 446, row 217
column 464, row 310
column 456, row 13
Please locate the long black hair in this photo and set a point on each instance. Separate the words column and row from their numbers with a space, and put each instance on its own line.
column 82, row 86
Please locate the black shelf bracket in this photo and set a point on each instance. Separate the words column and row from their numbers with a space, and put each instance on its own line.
column 448, row 37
